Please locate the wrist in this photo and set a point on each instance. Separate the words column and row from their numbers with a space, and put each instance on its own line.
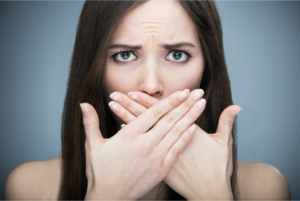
column 214, row 193
column 94, row 193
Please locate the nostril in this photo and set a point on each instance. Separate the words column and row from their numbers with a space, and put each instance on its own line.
column 152, row 94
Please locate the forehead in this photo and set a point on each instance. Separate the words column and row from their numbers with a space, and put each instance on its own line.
column 166, row 21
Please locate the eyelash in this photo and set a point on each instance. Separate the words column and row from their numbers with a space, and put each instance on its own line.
column 179, row 50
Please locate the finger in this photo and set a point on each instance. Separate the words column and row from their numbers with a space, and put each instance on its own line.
column 121, row 112
column 132, row 106
column 226, row 120
column 93, row 134
column 169, row 120
column 179, row 146
column 150, row 117
column 91, row 125
column 181, row 126
column 143, row 98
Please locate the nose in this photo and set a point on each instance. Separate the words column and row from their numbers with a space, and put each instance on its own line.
column 151, row 80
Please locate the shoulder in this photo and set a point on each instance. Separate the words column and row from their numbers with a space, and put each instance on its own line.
column 260, row 181
column 33, row 180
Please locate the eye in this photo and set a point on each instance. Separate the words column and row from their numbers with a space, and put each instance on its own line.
column 124, row 56
column 179, row 56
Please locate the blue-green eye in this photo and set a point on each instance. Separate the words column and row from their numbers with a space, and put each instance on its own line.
column 125, row 56
column 175, row 56
column 178, row 56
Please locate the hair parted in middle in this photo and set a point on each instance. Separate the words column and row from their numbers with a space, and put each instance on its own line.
column 96, row 25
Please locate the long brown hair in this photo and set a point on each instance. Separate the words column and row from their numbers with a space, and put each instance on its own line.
column 97, row 22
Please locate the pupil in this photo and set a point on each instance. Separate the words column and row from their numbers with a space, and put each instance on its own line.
column 125, row 55
column 177, row 55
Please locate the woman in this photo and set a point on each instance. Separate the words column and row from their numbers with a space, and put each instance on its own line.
column 157, row 73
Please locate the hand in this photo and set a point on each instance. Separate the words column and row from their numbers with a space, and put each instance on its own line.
column 134, row 157
column 206, row 163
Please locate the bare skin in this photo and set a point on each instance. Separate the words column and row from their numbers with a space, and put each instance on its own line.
column 151, row 70
column 40, row 180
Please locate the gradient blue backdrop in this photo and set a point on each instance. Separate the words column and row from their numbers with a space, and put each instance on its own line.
column 262, row 49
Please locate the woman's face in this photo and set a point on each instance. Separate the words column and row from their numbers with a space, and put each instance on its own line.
column 155, row 49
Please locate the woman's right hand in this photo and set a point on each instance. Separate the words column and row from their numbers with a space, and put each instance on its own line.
column 133, row 161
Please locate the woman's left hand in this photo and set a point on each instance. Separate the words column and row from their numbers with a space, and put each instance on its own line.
column 204, row 168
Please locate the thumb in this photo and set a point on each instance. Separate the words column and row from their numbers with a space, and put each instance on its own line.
column 91, row 125
column 226, row 122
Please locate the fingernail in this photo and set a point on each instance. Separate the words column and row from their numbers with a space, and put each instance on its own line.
column 235, row 112
column 183, row 94
column 84, row 109
column 133, row 96
column 200, row 104
column 114, row 106
column 115, row 97
column 197, row 94
column 192, row 129
column 122, row 125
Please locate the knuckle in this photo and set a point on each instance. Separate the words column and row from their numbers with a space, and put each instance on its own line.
column 228, row 122
column 146, row 102
column 170, row 118
column 157, row 112
column 176, row 131
column 173, row 102
column 88, row 124
column 131, row 131
column 144, row 150
column 185, row 139
column 155, row 156
column 175, row 152
column 87, row 120
column 127, row 103
column 188, row 103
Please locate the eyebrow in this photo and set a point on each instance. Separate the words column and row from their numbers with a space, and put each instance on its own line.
column 166, row 46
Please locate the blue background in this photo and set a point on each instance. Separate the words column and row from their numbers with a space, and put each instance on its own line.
column 262, row 49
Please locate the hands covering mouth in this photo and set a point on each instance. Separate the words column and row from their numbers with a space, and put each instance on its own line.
column 159, row 142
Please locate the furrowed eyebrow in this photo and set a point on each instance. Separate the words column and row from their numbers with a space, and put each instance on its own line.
column 137, row 47
column 125, row 46
column 177, row 45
